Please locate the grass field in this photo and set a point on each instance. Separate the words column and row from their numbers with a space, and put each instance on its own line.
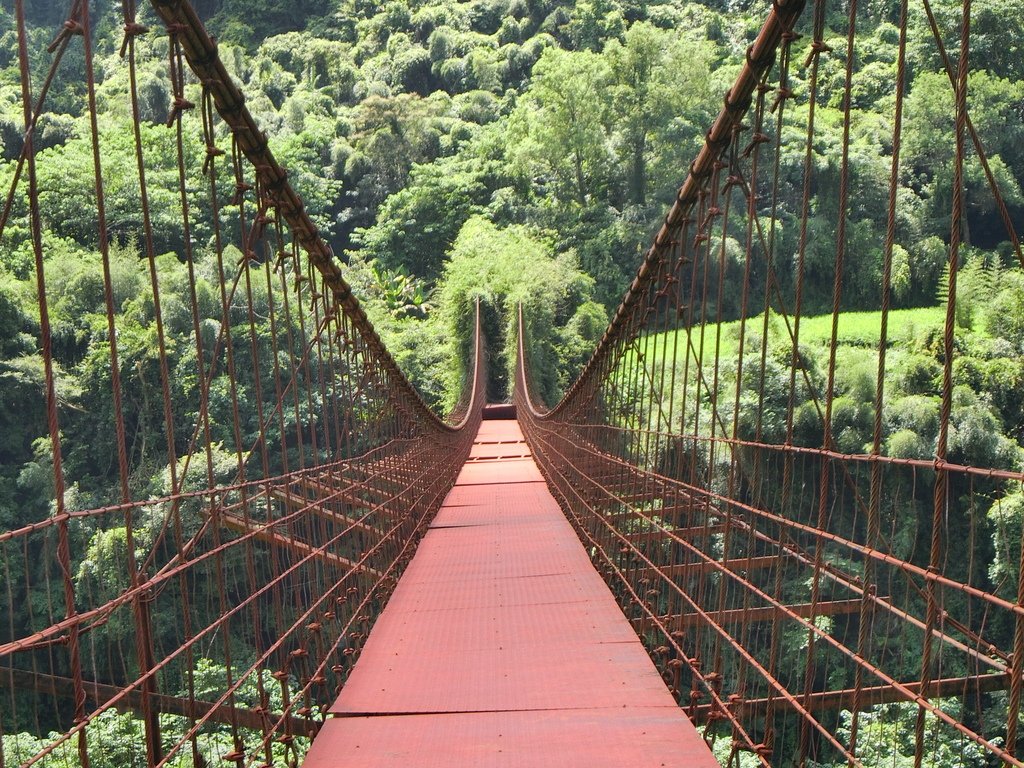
column 859, row 330
column 713, row 351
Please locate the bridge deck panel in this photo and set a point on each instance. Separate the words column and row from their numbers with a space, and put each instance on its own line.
column 507, row 679
column 577, row 738
column 522, row 470
column 493, row 627
column 501, row 645
column 500, row 503
column 540, row 586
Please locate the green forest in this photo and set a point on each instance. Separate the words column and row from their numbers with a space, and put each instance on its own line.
column 516, row 152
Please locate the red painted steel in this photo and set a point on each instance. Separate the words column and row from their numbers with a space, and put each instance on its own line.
column 489, row 627
column 504, row 471
column 501, row 645
column 575, row 738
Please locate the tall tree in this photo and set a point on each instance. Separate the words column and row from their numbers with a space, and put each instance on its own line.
column 559, row 133
column 659, row 90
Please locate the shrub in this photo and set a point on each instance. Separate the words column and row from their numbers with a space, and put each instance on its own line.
column 1005, row 516
column 917, row 375
column 907, row 444
column 918, row 413
column 1004, row 316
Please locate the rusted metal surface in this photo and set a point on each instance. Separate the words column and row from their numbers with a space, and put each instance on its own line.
column 204, row 59
column 171, row 705
column 819, row 701
column 738, row 615
column 499, row 411
column 265, row 532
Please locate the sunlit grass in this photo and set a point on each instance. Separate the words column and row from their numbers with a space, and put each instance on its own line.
column 855, row 329
column 687, row 367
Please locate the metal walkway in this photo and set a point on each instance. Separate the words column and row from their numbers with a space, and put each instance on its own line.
column 502, row 646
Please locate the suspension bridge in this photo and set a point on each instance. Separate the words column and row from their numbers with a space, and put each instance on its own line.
column 660, row 569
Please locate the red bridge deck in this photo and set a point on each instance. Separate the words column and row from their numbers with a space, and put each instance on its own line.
column 502, row 646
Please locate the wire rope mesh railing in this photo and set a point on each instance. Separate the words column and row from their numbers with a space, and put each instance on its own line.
column 796, row 503
column 220, row 532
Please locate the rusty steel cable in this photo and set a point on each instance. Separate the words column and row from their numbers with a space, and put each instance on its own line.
column 788, row 582
column 300, row 467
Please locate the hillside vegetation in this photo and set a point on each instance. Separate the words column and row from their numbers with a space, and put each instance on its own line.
column 401, row 122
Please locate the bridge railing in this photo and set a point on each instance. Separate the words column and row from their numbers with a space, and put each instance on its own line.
column 823, row 563
column 224, row 526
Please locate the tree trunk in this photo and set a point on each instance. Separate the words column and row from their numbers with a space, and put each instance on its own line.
column 581, row 185
column 638, row 172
